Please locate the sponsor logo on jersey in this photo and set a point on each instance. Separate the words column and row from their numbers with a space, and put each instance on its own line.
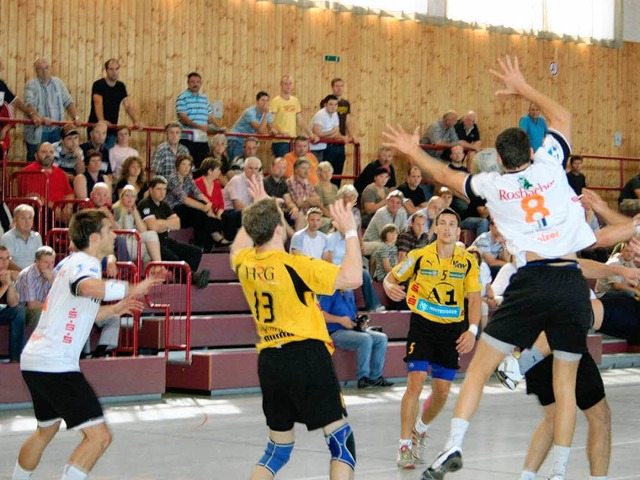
column 456, row 274
column 523, row 192
column 428, row 272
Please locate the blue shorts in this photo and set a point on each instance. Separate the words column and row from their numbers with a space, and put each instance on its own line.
column 437, row 371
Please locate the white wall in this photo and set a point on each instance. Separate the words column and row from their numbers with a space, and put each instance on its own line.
column 631, row 21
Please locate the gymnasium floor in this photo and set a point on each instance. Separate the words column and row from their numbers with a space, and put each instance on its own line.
column 220, row 438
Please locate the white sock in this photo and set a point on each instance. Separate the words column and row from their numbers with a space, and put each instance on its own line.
column 421, row 427
column 20, row 474
column 560, row 459
column 404, row 443
column 527, row 475
column 456, row 435
column 72, row 473
column 591, row 477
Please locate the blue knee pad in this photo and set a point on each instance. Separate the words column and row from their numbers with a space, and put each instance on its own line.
column 276, row 455
column 342, row 445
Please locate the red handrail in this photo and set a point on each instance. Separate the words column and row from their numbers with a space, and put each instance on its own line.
column 149, row 130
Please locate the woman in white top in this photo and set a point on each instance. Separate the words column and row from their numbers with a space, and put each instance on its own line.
column 128, row 218
column 121, row 150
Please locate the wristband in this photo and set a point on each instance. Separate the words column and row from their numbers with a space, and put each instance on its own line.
column 115, row 290
column 473, row 329
column 350, row 234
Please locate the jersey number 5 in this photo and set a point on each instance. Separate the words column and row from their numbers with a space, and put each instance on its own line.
column 266, row 305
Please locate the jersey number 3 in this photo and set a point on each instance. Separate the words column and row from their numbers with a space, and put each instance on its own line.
column 266, row 305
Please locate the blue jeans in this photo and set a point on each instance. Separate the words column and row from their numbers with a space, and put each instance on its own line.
column 50, row 136
column 234, row 147
column 280, row 149
column 371, row 348
column 371, row 299
column 15, row 318
column 479, row 224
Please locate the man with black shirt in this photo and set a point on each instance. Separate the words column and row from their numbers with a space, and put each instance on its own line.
column 106, row 96
column 415, row 199
column 385, row 157
column 576, row 178
column 468, row 132
column 97, row 139
column 159, row 217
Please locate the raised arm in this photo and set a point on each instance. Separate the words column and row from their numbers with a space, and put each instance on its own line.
column 556, row 115
column 398, row 138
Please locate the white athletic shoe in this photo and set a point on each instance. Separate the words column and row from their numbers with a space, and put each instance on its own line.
column 405, row 458
column 556, row 476
column 418, row 446
column 508, row 372
column 447, row 462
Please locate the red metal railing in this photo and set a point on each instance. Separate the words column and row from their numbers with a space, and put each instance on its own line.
column 148, row 131
column 36, row 204
column 129, row 324
column 174, row 299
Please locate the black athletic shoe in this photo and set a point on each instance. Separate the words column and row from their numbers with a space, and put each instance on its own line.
column 201, row 278
column 364, row 382
column 382, row 382
column 447, row 462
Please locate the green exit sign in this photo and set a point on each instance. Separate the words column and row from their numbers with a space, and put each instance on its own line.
column 331, row 58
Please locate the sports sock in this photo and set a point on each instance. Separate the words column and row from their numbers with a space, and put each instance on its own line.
column 529, row 358
column 20, row 474
column 527, row 475
column 72, row 473
column 560, row 459
column 456, row 435
column 591, row 477
column 404, row 443
column 421, row 427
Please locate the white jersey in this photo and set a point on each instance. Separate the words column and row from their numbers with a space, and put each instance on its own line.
column 66, row 321
column 535, row 209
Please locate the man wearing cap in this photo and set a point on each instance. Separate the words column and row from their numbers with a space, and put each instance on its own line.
column 106, row 96
column 385, row 157
column 47, row 98
column 67, row 153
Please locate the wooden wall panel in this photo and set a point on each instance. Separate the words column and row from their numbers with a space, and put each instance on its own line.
column 395, row 71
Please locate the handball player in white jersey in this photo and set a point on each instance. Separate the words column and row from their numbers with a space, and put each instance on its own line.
column 50, row 360
column 544, row 224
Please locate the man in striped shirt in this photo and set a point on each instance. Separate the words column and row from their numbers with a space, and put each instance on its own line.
column 195, row 113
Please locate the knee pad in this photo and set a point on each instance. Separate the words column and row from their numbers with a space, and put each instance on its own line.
column 342, row 445
column 276, row 455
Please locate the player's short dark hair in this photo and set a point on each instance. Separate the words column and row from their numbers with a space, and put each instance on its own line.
column 574, row 158
column 514, row 147
column 83, row 224
column 157, row 180
column 193, row 74
column 329, row 97
column 261, row 94
column 448, row 211
column 260, row 220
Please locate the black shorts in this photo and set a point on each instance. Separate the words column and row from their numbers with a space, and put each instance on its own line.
column 589, row 386
column 299, row 384
column 63, row 395
column 621, row 317
column 434, row 342
column 552, row 299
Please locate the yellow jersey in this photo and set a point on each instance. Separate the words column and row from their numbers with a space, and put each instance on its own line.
column 438, row 286
column 281, row 290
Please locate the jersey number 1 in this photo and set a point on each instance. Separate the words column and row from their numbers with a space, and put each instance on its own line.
column 267, row 304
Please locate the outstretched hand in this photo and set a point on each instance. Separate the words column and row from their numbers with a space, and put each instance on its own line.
column 594, row 201
column 510, row 75
column 155, row 277
column 128, row 305
column 396, row 137
column 256, row 188
column 342, row 216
